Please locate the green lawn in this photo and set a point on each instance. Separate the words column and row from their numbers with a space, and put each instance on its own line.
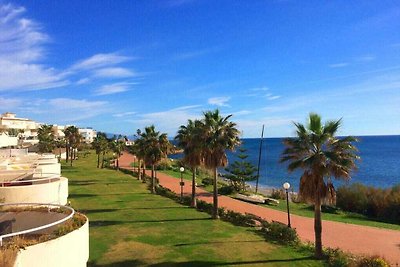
column 131, row 227
column 307, row 210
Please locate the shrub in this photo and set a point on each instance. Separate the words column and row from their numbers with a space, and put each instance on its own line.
column 280, row 233
column 278, row 194
column 207, row 181
column 226, row 190
column 383, row 204
column 204, row 206
column 336, row 258
column 373, row 261
column 164, row 164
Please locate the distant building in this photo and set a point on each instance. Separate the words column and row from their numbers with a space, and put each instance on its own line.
column 9, row 120
column 88, row 134
column 25, row 129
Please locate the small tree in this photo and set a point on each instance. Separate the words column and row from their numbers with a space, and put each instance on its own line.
column 241, row 171
column 46, row 139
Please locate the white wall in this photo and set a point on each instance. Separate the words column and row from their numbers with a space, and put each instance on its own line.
column 6, row 140
column 55, row 192
column 70, row 250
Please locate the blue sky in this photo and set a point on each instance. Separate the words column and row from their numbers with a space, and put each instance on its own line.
column 121, row 65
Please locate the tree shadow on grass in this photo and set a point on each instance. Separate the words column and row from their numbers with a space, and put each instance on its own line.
column 110, row 223
column 196, row 263
column 217, row 242
column 81, row 195
column 233, row 263
column 121, row 209
column 118, row 264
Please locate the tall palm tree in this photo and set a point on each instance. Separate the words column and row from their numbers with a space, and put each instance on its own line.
column 218, row 134
column 46, row 139
column 188, row 138
column 156, row 147
column 117, row 146
column 321, row 155
column 100, row 144
column 73, row 140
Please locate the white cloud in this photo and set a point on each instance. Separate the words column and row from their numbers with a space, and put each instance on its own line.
column 366, row 58
column 68, row 103
column 219, row 101
column 273, row 97
column 242, row 112
column 83, row 81
column 101, row 60
column 69, row 110
column 22, row 43
column 113, row 88
column 339, row 65
column 8, row 104
column 123, row 114
column 168, row 121
column 115, row 72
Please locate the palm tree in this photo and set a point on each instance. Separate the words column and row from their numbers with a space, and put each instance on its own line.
column 100, row 144
column 156, row 147
column 321, row 155
column 217, row 135
column 73, row 140
column 118, row 145
column 188, row 138
column 46, row 139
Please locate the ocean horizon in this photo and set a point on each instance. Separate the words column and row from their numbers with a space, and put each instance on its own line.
column 378, row 165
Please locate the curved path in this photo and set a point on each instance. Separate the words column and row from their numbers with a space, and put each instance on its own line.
column 362, row 240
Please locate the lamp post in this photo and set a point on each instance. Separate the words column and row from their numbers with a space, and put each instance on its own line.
column 286, row 186
column 182, row 183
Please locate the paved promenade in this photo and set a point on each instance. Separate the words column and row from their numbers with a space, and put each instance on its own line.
column 348, row 237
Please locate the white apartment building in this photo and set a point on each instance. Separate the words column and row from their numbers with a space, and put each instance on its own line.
column 88, row 134
column 9, row 120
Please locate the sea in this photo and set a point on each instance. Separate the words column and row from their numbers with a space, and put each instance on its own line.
column 379, row 163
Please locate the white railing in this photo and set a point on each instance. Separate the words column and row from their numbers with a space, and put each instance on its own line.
column 32, row 230
column 48, row 179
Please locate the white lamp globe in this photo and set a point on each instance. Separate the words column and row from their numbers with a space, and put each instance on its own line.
column 286, row 185
column 181, row 169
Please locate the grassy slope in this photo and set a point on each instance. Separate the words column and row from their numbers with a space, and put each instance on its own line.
column 307, row 210
column 131, row 227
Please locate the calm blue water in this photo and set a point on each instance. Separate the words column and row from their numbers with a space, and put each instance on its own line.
column 379, row 165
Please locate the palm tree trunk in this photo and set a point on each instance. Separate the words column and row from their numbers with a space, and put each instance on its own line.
column 144, row 172
column 138, row 169
column 194, row 203
column 215, row 196
column 102, row 161
column 153, row 180
column 118, row 161
column 98, row 160
column 318, row 226
column 71, row 158
column 66, row 152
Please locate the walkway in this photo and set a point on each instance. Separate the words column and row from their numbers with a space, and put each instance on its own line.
column 348, row 237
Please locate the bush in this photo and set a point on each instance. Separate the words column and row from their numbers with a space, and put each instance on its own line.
column 280, row 233
column 278, row 194
column 383, row 204
column 226, row 190
column 207, row 181
column 164, row 164
column 336, row 258
column 373, row 261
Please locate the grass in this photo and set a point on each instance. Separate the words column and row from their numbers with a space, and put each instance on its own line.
column 129, row 226
column 306, row 210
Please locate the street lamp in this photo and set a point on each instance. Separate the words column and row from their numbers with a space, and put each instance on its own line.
column 182, row 183
column 286, row 186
